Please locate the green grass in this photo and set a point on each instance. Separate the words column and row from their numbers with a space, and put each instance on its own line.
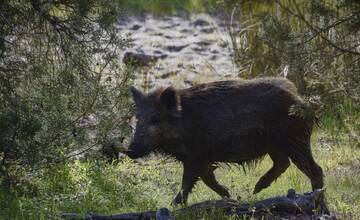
column 102, row 188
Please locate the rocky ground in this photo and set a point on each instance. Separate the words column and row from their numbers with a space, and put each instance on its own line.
column 189, row 49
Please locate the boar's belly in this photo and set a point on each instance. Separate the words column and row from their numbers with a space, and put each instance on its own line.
column 240, row 148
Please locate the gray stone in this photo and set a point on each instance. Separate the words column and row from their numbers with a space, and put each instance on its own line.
column 200, row 22
column 135, row 27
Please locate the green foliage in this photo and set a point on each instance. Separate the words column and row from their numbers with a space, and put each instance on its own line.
column 127, row 186
column 62, row 89
column 63, row 92
column 316, row 39
column 83, row 187
column 313, row 43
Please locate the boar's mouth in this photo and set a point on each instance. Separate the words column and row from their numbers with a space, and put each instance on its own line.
column 134, row 154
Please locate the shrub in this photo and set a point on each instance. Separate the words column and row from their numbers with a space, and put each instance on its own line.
column 314, row 43
column 62, row 89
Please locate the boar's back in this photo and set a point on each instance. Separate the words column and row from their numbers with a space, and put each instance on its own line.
column 241, row 105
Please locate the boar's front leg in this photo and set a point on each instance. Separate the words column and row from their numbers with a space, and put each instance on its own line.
column 280, row 163
column 191, row 174
column 209, row 179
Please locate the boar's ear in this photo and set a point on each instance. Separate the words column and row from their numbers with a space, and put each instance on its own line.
column 136, row 94
column 170, row 101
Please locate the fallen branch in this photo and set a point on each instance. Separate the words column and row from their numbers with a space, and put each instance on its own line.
column 294, row 206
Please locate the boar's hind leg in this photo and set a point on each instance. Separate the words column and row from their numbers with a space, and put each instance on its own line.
column 209, row 179
column 304, row 160
column 280, row 164
column 191, row 174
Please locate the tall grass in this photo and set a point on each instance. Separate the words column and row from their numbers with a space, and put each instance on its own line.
column 127, row 186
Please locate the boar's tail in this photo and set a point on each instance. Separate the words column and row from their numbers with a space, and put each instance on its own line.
column 308, row 110
column 316, row 109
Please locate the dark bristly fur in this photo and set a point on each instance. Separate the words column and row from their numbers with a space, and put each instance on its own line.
column 225, row 122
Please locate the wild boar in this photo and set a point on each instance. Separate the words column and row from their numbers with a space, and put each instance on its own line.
column 226, row 121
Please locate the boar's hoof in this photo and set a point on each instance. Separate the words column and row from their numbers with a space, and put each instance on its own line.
column 179, row 199
column 257, row 189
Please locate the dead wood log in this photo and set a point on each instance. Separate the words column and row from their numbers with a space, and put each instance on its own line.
column 291, row 206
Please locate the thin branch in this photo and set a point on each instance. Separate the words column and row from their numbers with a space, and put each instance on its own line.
column 318, row 32
column 322, row 30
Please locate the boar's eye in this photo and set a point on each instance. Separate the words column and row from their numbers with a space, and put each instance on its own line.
column 154, row 120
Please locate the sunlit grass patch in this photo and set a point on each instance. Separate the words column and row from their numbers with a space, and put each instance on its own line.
column 128, row 186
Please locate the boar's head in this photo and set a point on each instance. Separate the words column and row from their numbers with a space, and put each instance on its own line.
column 158, row 115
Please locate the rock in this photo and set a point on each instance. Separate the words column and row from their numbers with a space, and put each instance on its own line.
column 200, row 22
column 157, row 34
column 169, row 74
column 149, row 30
column 207, row 30
column 198, row 49
column 203, row 43
column 135, row 27
column 158, row 52
column 189, row 82
column 214, row 51
column 176, row 48
column 163, row 56
column 213, row 57
column 182, row 40
column 186, row 31
column 123, row 21
column 223, row 44
column 140, row 59
column 169, row 26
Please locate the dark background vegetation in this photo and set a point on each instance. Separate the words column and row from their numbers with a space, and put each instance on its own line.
column 63, row 92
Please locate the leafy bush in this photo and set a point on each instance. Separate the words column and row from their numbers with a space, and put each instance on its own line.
column 62, row 89
column 314, row 43
column 82, row 187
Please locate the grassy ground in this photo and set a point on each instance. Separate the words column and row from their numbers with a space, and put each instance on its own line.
column 127, row 186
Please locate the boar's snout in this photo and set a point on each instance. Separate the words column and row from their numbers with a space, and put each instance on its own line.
column 136, row 151
column 132, row 154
